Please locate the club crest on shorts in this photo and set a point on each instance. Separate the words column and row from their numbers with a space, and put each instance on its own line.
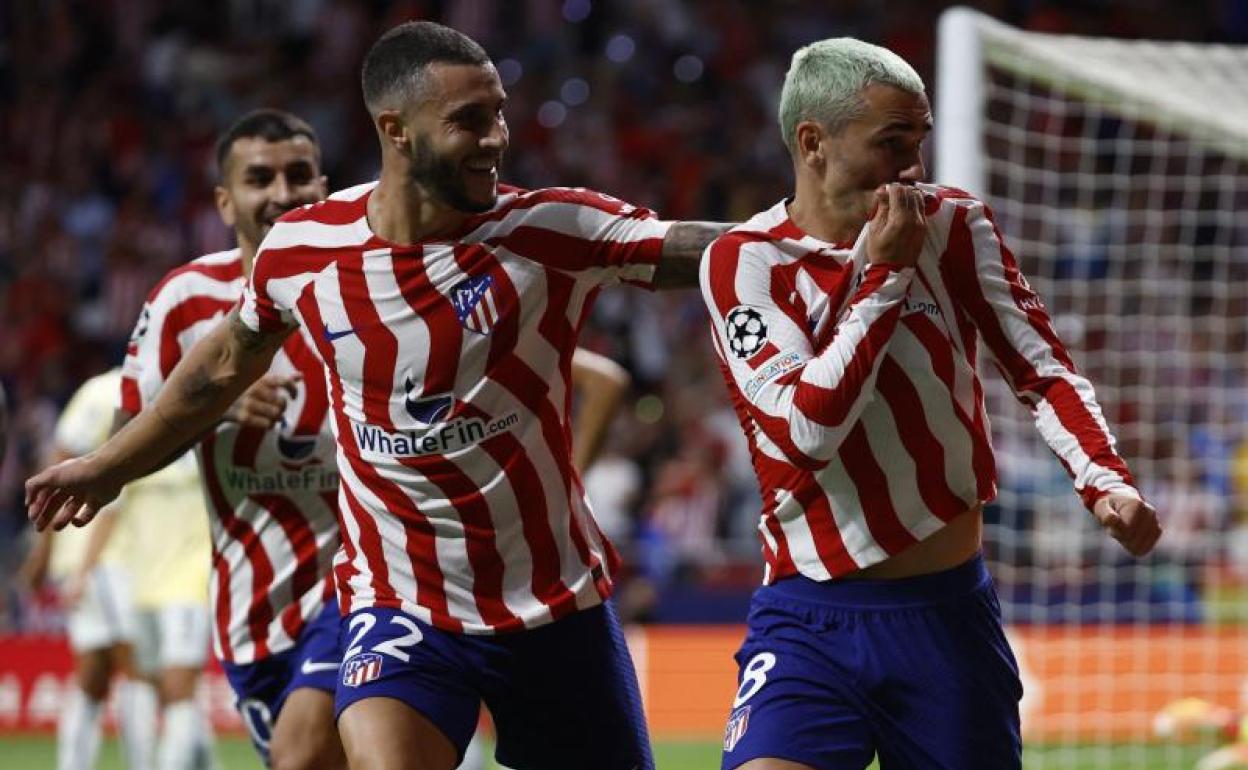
column 473, row 300
column 738, row 723
column 361, row 669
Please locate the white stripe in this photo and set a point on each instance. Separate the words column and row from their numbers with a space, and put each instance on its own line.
column 797, row 534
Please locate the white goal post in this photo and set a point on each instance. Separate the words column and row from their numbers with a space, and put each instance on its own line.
column 1118, row 173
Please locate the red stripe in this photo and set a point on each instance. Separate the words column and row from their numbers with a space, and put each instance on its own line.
column 575, row 253
column 225, row 272
column 1071, row 411
column 532, row 390
column 725, row 261
column 316, row 394
column 131, row 401
column 825, row 534
column 438, row 315
column 369, row 538
column 982, row 460
column 831, row 406
column 182, row 316
column 873, row 496
column 247, row 446
column 330, row 212
column 302, row 538
column 380, row 358
column 259, row 611
column 381, row 349
column 940, row 353
column 274, row 264
column 916, row 436
column 221, row 573
column 772, row 475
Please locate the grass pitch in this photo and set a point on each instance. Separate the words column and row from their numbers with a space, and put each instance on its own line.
column 39, row 753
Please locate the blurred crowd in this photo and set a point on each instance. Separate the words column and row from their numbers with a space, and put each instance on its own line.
column 109, row 110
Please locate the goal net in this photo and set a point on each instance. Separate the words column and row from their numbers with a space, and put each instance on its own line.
column 1118, row 172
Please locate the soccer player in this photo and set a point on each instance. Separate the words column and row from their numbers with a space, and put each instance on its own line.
column 98, row 602
column 168, row 567
column 268, row 469
column 848, row 320
column 446, row 312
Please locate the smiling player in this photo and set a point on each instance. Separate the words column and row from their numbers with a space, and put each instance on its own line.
column 268, row 470
column 446, row 309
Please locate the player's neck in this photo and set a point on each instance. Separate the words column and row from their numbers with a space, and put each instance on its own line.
column 400, row 212
column 827, row 215
column 246, row 253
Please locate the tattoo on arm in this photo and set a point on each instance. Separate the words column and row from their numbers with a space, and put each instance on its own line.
column 682, row 252
column 248, row 341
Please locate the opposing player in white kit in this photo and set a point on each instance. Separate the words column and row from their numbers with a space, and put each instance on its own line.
column 99, row 603
column 268, row 469
column 848, row 320
column 446, row 315
column 168, row 566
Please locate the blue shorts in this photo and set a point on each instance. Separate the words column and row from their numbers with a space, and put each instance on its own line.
column 917, row 670
column 563, row 695
column 262, row 687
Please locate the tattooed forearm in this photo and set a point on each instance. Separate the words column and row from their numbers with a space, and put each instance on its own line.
column 248, row 341
column 682, row 252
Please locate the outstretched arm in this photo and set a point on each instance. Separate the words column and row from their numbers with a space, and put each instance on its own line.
column 682, row 253
column 202, row 386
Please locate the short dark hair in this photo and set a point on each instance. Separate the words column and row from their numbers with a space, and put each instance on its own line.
column 396, row 63
column 268, row 124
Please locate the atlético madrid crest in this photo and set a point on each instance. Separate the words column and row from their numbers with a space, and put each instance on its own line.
column 738, row 723
column 475, row 305
column 361, row 669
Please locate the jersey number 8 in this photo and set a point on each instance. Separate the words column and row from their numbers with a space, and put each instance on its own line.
column 754, row 676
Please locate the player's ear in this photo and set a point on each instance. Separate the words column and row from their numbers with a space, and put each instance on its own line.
column 225, row 206
column 393, row 130
column 808, row 136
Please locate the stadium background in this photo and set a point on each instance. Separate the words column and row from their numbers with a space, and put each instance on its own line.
column 108, row 111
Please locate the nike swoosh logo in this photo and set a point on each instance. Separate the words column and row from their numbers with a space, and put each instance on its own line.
column 310, row 667
column 331, row 336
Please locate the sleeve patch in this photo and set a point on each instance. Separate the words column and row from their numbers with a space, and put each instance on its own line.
column 745, row 330
column 771, row 371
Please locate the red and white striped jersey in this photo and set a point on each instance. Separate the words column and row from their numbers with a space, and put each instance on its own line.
column 857, row 388
column 449, row 370
column 272, row 495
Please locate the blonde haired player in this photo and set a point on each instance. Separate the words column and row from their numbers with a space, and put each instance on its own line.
column 97, row 599
column 848, row 319
column 169, row 568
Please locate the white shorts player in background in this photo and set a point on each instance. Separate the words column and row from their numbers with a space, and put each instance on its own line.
column 98, row 604
column 169, row 567
column 848, row 319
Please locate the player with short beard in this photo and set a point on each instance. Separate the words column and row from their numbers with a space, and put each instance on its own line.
column 275, row 619
column 471, row 568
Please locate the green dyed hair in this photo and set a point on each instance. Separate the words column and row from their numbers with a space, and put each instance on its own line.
column 826, row 79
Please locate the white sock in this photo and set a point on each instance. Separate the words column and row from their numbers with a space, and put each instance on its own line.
column 474, row 755
column 205, row 754
column 137, row 708
column 177, row 742
column 78, row 733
